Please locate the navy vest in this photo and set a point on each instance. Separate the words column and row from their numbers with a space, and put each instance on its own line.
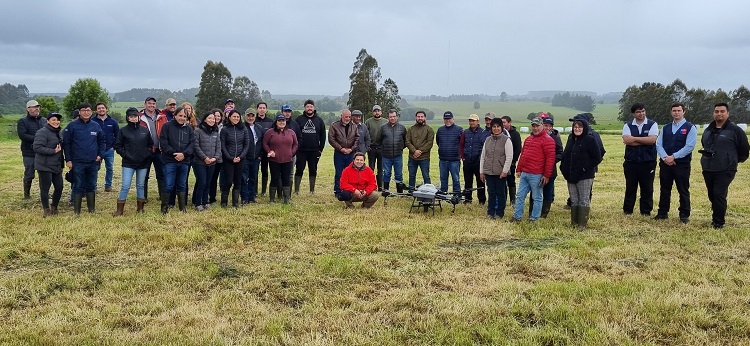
column 673, row 142
column 473, row 143
column 640, row 153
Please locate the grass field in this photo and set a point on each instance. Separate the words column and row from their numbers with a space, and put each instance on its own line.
column 313, row 273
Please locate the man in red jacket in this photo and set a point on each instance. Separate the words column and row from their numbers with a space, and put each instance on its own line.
column 358, row 184
column 534, row 169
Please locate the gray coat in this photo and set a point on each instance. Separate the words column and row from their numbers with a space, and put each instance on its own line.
column 45, row 158
column 363, row 142
column 206, row 145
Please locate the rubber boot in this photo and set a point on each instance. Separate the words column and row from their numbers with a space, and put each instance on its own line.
column 574, row 211
column 264, row 181
column 400, row 187
column 235, row 198
column 120, row 208
column 297, row 182
column 224, row 198
column 379, row 181
column 512, row 196
column 160, row 186
column 546, row 206
column 164, row 198
column 91, row 202
column 27, row 189
column 312, row 183
column 145, row 190
column 77, row 204
column 272, row 194
column 286, row 192
column 385, row 186
column 583, row 217
column 47, row 212
column 139, row 205
column 53, row 210
column 182, row 201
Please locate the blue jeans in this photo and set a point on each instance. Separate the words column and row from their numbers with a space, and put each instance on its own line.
column 529, row 182
column 397, row 163
column 140, row 182
column 175, row 177
column 496, row 187
column 250, row 179
column 424, row 166
column 109, row 163
column 340, row 161
column 85, row 174
column 452, row 168
column 203, row 176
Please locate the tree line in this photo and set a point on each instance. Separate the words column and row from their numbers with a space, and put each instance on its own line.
column 584, row 103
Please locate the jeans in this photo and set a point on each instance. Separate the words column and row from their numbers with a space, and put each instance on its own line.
column 424, row 166
column 529, row 182
column 340, row 161
column 109, row 163
column 452, row 168
column 140, row 182
column 397, row 163
column 203, row 175
column 495, row 191
column 47, row 179
column 175, row 176
column 85, row 175
column 250, row 179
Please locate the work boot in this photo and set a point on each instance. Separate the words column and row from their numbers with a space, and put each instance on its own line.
column 53, row 210
column 546, row 206
column 264, row 182
column 224, row 198
column 297, row 182
column 139, row 205
column 272, row 194
column 182, row 201
column 312, row 183
column 235, row 198
column 164, row 198
column 27, row 189
column 120, row 208
column 286, row 192
column 583, row 217
column 77, row 204
column 91, row 202
column 574, row 211
column 47, row 212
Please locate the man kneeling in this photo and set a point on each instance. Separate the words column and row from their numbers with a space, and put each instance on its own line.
column 358, row 184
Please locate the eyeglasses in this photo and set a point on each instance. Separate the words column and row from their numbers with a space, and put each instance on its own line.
column 172, row 104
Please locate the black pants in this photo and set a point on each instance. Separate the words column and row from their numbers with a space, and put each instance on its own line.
column 214, row 183
column 47, row 179
column 234, row 175
column 263, row 169
column 639, row 174
column 510, row 182
column 471, row 171
column 375, row 161
column 309, row 158
column 680, row 175
column 717, row 184
column 281, row 173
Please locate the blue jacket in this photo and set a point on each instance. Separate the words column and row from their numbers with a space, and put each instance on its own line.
column 447, row 139
column 83, row 141
column 110, row 128
column 472, row 142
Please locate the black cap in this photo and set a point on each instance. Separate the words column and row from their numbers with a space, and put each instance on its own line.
column 131, row 111
column 150, row 98
column 448, row 115
column 227, row 101
column 54, row 115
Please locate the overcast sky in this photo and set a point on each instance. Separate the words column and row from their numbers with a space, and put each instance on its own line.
column 427, row 47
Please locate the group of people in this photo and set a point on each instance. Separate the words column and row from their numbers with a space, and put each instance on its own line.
column 227, row 154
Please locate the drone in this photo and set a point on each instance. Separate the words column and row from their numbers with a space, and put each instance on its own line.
column 427, row 197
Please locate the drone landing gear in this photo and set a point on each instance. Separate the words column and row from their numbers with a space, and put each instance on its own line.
column 418, row 203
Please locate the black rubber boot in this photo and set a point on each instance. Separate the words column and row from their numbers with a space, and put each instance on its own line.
column 164, row 198
column 91, row 201
column 297, row 182
column 546, row 206
column 77, row 204
column 312, row 183
column 574, row 215
column 583, row 217
column 235, row 198
column 286, row 192
column 272, row 194
column 385, row 186
column 182, row 201
column 400, row 187
column 264, row 182
column 27, row 189
column 224, row 198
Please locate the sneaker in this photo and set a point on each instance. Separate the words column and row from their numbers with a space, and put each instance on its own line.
column 199, row 208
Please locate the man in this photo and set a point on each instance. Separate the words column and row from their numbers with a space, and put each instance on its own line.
column 548, row 192
column 312, row 140
column 470, row 150
column 515, row 139
column 419, row 139
column 110, row 128
column 27, row 127
column 375, row 155
column 447, row 138
column 675, row 145
column 534, row 169
column 358, row 184
column 252, row 160
column 363, row 140
column 392, row 137
column 266, row 122
column 724, row 146
column 83, row 146
column 343, row 138
column 488, row 122
column 639, row 136
column 177, row 143
column 148, row 119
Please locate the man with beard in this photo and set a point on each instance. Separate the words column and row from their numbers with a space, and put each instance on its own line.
column 110, row 128
column 312, row 139
column 375, row 155
column 266, row 123
column 419, row 139
column 470, row 150
column 343, row 138
column 26, row 129
column 393, row 137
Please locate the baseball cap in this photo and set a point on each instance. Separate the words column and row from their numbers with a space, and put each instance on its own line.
column 280, row 117
column 490, row 115
column 547, row 120
column 170, row 101
column 150, row 98
column 54, row 115
column 376, row 107
column 250, row 110
column 448, row 115
column 227, row 101
column 357, row 112
column 32, row 103
column 537, row 121
column 131, row 111
column 473, row 117
column 286, row 108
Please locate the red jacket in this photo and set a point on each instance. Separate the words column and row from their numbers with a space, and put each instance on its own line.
column 537, row 155
column 355, row 179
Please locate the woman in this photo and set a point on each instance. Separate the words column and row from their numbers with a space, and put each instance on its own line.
column 207, row 158
column 235, row 143
column 580, row 159
column 135, row 145
column 219, row 117
column 48, row 162
column 281, row 144
column 191, row 116
column 177, row 146
column 494, row 167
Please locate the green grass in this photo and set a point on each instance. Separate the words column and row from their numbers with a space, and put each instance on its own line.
column 314, row 273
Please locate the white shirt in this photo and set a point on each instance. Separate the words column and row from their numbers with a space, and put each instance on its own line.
column 653, row 131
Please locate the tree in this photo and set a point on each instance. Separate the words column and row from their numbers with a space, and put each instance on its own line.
column 245, row 93
column 85, row 90
column 47, row 104
column 476, row 105
column 364, row 80
column 266, row 95
column 503, row 97
column 388, row 97
column 215, row 87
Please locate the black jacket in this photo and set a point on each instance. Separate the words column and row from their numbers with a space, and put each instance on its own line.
column 207, row 144
column 312, row 134
column 45, row 141
column 26, row 129
column 176, row 138
column 134, row 144
column 515, row 139
column 234, row 141
column 254, row 151
column 392, row 140
column 729, row 146
column 580, row 157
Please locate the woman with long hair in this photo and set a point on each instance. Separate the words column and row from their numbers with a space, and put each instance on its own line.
column 235, row 143
column 219, row 117
column 207, row 158
column 48, row 162
column 281, row 144
column 134, row 144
